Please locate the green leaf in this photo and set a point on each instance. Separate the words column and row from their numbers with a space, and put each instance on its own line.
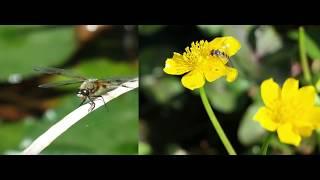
column 267, row 40
column 154, row 87
column 22, row 48
column 144, row 148
column 11, row 135
column 154, row 59
column 318, row 85
column 293, row 35
column 224, row 96
column 211, row 29
column 149, row 29
column 280, row 148
column 312, row 47
column 104, row 68
column 245, row 54
column 250, row 131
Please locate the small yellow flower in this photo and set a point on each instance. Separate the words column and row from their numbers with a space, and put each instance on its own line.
column 290, row 111
column 204, row 60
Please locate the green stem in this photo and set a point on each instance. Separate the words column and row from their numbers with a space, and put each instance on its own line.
column 215, row 123
column 303, row 56
column 265, row 145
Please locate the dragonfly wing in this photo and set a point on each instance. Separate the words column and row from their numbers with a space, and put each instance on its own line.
column 118, row 80
column 115, row 83
column 63, row 72
column 60, row 83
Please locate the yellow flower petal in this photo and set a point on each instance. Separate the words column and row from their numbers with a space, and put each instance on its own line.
column 264, row 117
column 290, row 90
column 307, row 95
column 315, row 117
column 287, row 135
column 270, row 92
column 305, row 131
column 177, row 65
column 226, row 44
column 232, row 74
column 213, row 69
column 201, row 64
column 193, row 80
column 291, row 111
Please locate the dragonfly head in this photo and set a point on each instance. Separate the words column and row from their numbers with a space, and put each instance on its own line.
column 82, row 93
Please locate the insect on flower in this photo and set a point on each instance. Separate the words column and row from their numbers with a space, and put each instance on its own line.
column 204, row 61
column 220, row 54
column 89, row 89
column 223, row 48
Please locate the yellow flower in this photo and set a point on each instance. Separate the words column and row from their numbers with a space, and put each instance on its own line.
column 204, row 60
column 290, row 111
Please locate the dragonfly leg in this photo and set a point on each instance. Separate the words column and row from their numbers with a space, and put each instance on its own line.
column 92, row 105
column 83, row 102
column 102, row 100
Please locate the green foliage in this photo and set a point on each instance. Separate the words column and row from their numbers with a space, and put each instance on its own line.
column 211, row 30
column 224, row 97
column 144, row 148
column 250, row 131
column 149, row 29
column 22, row 48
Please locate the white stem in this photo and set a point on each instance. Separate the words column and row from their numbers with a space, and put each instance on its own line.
column 60, row 127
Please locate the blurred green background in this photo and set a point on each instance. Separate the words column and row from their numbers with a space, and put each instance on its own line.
column 173, row 119
column 27, row 111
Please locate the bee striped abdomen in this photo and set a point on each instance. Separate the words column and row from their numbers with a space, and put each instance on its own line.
column 219, row 54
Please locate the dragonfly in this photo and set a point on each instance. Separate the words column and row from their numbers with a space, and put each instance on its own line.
column 89, row 89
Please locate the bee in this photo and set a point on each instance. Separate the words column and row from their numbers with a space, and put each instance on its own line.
column 89, row 88
column 220, row 54
column 224, row 48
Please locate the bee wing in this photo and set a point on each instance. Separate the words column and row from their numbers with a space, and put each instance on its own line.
column 60, row 83
column 63, row 72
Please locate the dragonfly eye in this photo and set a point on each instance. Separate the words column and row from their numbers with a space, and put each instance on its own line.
column 84, row 92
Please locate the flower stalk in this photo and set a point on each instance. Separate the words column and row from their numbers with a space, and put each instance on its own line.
column 215, row 123
column 265, row 145
column 303, row 56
